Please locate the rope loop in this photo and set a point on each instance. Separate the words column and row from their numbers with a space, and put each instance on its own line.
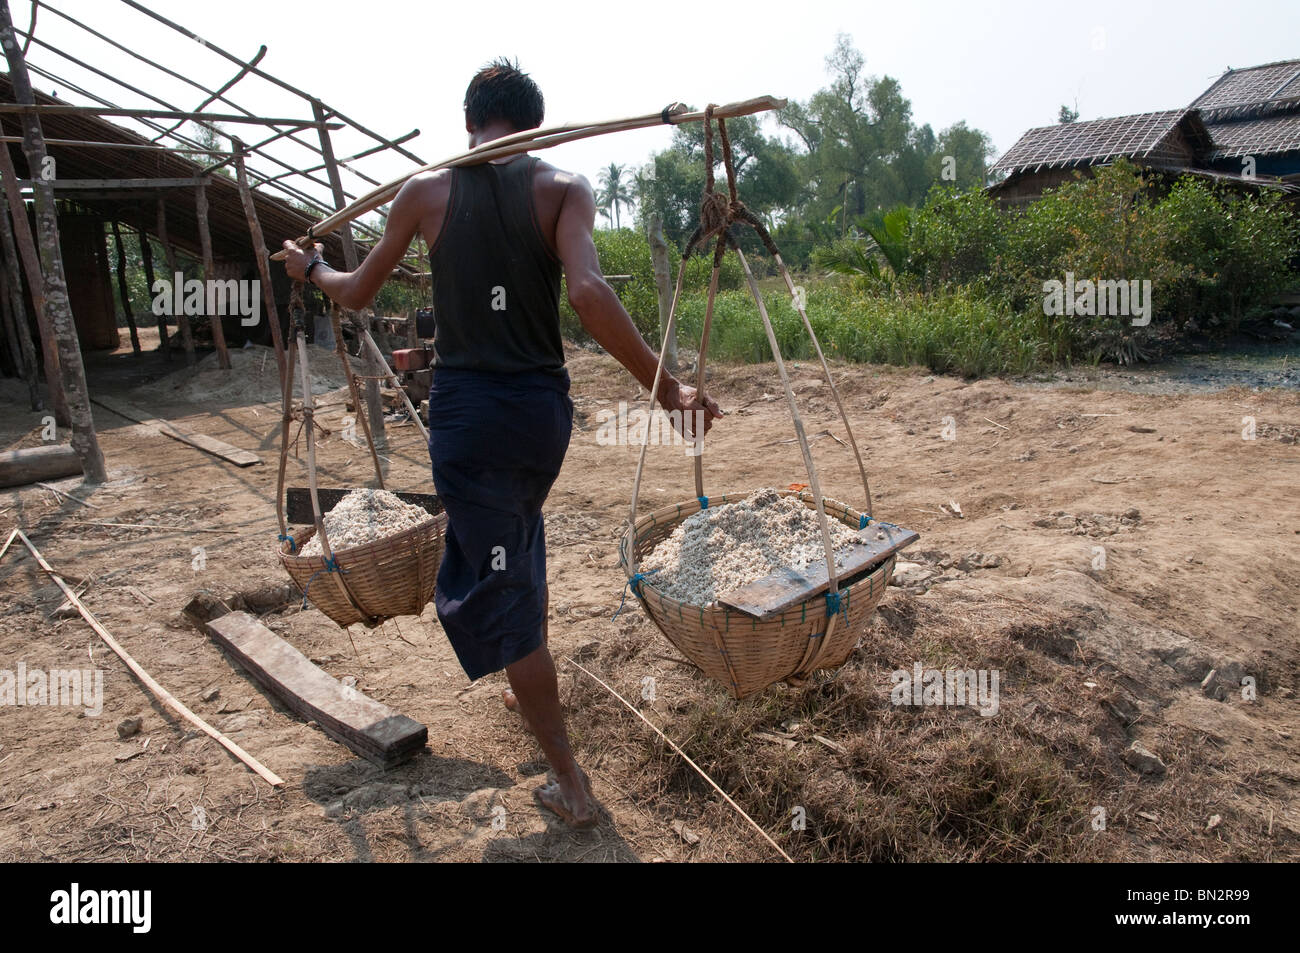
column 293, row 543
column 635, row 583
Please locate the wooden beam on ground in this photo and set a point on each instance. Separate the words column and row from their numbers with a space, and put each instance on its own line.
column 371, row 729
column 181, row 432
column 166, row 697
column 774, row 594
column 33, row 464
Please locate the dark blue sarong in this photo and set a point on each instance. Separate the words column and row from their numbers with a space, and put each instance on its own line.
column 496, row 442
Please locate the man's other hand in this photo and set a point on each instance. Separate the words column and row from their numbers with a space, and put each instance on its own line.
column 684, row 399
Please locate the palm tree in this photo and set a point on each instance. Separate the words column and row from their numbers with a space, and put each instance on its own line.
column 615, row 192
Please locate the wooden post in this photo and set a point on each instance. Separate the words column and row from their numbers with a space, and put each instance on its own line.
column 83, row 440
column 123, row 292
column 36, row 286
column 182, row 319
column 16, row 329
column 663, row 287
column 146, row 259
column 374, row 403
column 209, row 272
column 261, row 253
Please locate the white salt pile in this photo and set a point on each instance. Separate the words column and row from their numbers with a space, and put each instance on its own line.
column 364, row 516
column 729, row 546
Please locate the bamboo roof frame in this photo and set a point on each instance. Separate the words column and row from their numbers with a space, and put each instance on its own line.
column 296, row 183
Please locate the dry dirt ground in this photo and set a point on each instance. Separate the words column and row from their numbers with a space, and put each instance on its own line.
column 1113, row 548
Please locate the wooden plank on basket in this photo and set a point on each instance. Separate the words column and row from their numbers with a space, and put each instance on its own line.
column 370, row 728
column 297, row 502
column 773, row 594
column 200, row 441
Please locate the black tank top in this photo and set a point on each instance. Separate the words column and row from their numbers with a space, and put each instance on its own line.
column 496, row 283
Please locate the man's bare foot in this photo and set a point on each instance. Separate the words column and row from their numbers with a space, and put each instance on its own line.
column 512, row 703
column 570, row 797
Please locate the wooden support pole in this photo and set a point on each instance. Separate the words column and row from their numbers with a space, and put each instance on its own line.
column 182, row 319
column 36, row 286
column 124, row 292
column 262, row 254
column 374, row 402
column 209, row 273
column 73, row 372
column 17, row 332
column 146, row 259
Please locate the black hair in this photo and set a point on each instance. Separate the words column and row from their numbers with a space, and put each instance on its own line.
column 500, row 91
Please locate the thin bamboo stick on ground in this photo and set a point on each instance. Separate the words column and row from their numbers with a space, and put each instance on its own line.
column 164, row 696
column 685, row 757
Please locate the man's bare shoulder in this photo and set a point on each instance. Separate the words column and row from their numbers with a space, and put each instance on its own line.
column 555, row 177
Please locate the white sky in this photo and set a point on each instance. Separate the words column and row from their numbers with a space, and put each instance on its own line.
column 1001, row 66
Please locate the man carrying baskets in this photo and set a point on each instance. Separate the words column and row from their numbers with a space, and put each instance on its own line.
column 500, row 417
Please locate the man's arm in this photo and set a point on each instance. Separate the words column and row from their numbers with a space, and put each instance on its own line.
column 354, row 290
column 603, row 315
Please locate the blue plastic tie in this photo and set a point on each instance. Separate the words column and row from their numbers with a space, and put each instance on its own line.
column 704, row 502
column 863, row 520
column 635, row 583
column 293, row 544
column 330, row 566
column 832, row 603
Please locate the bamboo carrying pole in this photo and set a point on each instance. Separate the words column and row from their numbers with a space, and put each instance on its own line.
column 530, row 140
column 166, row 697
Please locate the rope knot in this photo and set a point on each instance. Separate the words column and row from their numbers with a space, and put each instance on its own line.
column 293, row 543
column 635, row 582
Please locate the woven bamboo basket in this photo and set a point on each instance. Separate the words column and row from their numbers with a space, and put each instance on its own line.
column 743, row 653
column 376, row 581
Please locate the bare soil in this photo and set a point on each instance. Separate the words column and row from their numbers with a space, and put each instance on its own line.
column 1199, row 530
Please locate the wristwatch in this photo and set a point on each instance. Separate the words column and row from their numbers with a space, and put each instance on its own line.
column 318, row 260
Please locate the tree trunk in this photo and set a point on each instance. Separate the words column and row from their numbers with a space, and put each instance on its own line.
column 36, row 286
column 124, row 292
column 209, row 273
column 16, row 329
column 83, row 440
column 146, row 259
column 182, row 319
column 663, row 287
